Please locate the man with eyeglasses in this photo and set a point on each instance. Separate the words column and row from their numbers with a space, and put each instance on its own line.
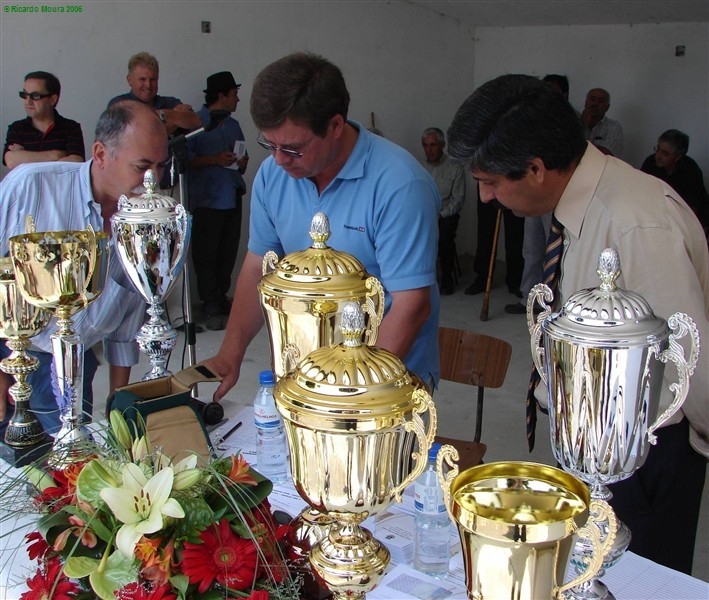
column 44, row 136
column 64, row 196
column 382, row 206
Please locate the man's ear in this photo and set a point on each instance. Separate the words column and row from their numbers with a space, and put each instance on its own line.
column 99, row 153
column 537, row 169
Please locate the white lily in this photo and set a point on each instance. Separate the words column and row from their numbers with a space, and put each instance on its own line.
column 141, row 505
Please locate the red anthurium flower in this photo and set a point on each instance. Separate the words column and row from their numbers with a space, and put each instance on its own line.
column 223, row 556
column 49, row 583
column 37, row 545
column 138, row 591
column 239, row 472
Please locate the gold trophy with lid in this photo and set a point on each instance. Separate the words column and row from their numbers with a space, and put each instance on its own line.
column 350, row 413
column 19, row 321
column 63, row 272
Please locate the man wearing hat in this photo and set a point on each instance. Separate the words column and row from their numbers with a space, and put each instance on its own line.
column 216, row 188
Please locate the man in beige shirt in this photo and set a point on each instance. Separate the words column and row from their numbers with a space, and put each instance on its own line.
column 525, row 145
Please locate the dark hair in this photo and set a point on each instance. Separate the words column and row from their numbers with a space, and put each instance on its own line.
column 509, row 121
column 50, row 81
column 303, row 87
column 561, row 81
column 211, row 97
column 113, row 122
column 678, row 139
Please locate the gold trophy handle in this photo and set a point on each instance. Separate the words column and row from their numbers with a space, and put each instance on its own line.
column 599, row 512
column 30, row 227
column 93, row 249
column 543, row 293
column 375, row 310
column 422, row 403
column 270, row 260
column 450, row 456
column 289, row 357
column 681, row 324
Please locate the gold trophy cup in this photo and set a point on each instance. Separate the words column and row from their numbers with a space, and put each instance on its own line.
column 19, row 321
column 350, row 412
column 63, row 272
column 518, row 522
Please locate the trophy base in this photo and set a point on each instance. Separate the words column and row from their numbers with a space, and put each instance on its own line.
column 20, row 457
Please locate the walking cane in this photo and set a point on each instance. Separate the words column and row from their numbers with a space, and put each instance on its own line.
column 491, row 268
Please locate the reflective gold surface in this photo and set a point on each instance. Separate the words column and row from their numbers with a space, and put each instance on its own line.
column 518, row 523
column 303, row 296
column 352, row 415
column 19, row 321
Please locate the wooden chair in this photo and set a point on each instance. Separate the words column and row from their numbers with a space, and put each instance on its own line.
column 473, row 359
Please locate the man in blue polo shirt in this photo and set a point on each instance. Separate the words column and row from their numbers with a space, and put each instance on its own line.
column 44, row 136
column 382, row 206
column 143, row 74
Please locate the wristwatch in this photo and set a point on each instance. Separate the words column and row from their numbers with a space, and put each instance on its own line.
column 163, row 116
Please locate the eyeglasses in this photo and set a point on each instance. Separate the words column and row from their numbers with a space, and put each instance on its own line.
column 273, row 149
column 34, row 95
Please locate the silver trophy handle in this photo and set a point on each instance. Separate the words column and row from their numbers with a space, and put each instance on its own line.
column 182, row 221
column 270, row 260
column 543, row 293
column 375, row 310
column 680, row 324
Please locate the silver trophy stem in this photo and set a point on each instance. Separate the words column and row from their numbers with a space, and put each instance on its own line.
column 157, row 339
column 68, row 352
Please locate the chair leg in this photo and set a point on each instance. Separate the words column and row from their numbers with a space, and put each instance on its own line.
column 479, row 415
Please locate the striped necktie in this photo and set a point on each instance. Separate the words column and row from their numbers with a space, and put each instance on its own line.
column 552, row 263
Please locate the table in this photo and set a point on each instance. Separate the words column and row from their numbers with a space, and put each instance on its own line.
column 633, row 578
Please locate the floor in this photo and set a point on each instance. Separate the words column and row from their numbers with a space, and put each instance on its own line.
column 504, row 422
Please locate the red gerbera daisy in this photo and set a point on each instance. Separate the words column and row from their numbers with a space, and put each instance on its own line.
column 138, row 591
column 37, row 546
column 223, row 556
column 49, row 583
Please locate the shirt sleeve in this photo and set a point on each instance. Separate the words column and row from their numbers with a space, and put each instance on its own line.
column 457, row 194
column 10, row 138
column 75, row 141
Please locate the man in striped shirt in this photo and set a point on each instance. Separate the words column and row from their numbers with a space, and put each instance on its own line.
column 44, row 135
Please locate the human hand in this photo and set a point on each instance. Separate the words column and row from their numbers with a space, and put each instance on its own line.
column 243, row 162
column 14, row 147
column 225, row 159
column 183, row 107
column 228, row 370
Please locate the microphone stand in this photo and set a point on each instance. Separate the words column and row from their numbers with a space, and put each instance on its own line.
column 178, row 149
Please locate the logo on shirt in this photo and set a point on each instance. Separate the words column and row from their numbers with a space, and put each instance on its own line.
column 353, row 228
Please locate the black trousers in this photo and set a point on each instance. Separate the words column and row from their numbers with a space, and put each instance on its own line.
column 447, row 228
column 660, row 502
column 514, row 236
column 215, row 245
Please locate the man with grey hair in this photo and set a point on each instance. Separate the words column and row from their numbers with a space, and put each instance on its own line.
column 604, row 133
column 143, row 75
column 450, row 181
column 64, row 196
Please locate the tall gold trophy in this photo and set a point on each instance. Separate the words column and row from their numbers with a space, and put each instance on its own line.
column 302, row 298
column 19, row 321
column 63, row 272
column 350, row 412
column 518, row 522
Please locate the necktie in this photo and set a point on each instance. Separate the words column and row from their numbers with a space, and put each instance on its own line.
column 552, row 262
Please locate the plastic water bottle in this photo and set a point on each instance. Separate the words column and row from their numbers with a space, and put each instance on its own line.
column 432, row 541
column 271, row 447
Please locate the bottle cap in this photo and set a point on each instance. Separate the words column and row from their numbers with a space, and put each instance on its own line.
column 433, row 450
column 266, row 378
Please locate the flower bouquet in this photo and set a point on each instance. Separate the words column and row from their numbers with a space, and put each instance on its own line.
column 128, row 523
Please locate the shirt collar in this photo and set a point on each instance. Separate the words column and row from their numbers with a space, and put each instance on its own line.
column 573, row 204
column 355, row 164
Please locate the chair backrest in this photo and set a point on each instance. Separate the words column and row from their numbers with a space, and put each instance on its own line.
column 473, row 358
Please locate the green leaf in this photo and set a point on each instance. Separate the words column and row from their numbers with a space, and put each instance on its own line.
column 198, row 515
column 92, row 479
column 118, row 572
column 77, row 567
column 48, row 522
column 38, row 477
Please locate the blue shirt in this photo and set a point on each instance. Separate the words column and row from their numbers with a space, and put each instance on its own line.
column 215, row 186
column 383, row 209
column 159, row 102
column 58, row 196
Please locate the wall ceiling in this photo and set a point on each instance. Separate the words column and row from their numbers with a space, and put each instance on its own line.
column 506, row 13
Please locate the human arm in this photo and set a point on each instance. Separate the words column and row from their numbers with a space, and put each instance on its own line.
column 181, row 117
column 16, row 155
column 401, row 325
column 5, row 383
column 222, row 159
column 456, row 196
column 117, row 377
column 245, row 321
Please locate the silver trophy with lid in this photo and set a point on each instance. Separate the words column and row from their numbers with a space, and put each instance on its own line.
column 151, row 234
column 602, row 357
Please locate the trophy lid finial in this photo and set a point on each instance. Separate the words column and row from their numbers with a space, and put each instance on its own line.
column 352, row 324
column 149, row 181
column 320, row 230
column 608, row 269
